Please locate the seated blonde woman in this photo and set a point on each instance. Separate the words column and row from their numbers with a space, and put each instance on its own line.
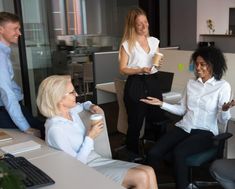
column 65, row 131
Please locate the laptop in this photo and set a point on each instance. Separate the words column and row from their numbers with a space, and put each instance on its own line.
column 165, row 81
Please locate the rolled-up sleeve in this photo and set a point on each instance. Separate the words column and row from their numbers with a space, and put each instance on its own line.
column 224, row 96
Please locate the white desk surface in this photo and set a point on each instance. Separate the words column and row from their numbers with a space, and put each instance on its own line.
column 22, row 137
column 71, row 173
column 66, row 171
column 109, row 87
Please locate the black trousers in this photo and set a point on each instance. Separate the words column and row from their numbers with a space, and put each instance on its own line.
column 137, row 87
column 6, row 121
column 179, row 144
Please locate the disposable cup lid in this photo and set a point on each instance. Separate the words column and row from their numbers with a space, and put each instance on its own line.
column 159, row 54
column 96, row 117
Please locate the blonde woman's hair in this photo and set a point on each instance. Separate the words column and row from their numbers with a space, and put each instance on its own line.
column 129, row 30
column 50, row 93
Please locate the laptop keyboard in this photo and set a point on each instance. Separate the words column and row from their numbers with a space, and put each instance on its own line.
column 32, row 176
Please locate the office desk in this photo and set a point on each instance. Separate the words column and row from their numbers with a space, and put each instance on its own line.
column 22, row 137
column 66, row 171
column 71, row 173
column 106, row 93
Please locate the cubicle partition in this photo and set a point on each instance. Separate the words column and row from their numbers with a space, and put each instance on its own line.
column 106, row 68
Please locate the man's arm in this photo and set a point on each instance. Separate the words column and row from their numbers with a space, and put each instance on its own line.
column 9, row 98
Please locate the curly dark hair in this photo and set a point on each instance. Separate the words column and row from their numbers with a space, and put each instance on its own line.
column 214, row 57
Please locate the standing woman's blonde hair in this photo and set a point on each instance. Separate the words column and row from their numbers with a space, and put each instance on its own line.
column 129, row 30
column 50, row 93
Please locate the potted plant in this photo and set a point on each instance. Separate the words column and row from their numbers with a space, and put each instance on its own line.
column 210, row 26
column 9, row 179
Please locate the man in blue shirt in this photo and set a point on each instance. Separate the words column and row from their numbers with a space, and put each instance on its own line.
column 12, row 113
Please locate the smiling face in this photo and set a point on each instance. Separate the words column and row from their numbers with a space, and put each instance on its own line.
column 69, row 99
column 203, row 69
column 10, row 32
column 141, row 25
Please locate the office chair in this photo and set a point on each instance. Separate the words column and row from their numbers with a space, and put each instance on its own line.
column 202, row 158
column 87, row 78
column 60, row 63
column 77, row 76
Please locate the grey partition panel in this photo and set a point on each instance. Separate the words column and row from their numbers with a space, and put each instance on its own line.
column 106, row 67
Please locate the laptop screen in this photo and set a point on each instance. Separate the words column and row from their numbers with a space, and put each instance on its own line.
column 165, row 81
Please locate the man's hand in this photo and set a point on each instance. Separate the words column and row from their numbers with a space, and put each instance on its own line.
column 33, row 132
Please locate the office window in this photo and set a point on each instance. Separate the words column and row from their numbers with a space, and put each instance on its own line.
column 67, row 17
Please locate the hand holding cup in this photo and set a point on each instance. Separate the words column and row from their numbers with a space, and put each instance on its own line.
column 97, row 124
column 156, row 59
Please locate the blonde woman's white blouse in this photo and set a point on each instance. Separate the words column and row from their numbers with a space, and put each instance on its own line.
column 138, row 58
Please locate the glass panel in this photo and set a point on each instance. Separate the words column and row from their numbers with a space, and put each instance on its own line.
column 74, row 17
column 67, row 17
column 8, row 6
column 37, row 44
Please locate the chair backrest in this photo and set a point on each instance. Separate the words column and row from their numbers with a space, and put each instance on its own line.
column 122, row 123
column 222, row 145
column 230, row 153
column 60, row 63
column 102, row 145
column 88, row 72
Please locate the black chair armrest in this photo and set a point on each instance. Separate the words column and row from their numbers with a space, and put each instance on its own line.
column 222, row 136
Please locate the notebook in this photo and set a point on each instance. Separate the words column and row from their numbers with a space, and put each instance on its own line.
column 21, row 147
column 4, row 136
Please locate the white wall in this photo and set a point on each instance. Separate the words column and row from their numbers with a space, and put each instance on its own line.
column 217, row 11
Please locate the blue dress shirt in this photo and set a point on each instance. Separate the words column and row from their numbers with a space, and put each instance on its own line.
column 10, row 92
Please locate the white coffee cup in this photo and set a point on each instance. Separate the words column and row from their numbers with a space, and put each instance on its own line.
column 95, row 118
column 156, row 59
